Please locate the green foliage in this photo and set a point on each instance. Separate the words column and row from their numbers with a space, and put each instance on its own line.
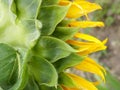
column 50, row 88
column 7, row 65
column 65, row 80
column 39, row 68
column 25, row 9
column 111, row 83
column 65, row 33
column 29, row 58
column 55, row 13
column 71, row 60
column 47, row 44
column 21, row 33
column 49, row 2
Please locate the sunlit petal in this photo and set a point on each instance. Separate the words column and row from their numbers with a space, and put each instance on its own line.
column 79, row 8
column 91, row 66
column 87, row 6
column 82, row 83
column 86, row 24
column 87, row 37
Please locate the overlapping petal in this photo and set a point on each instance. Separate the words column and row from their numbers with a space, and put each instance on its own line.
column 91, row 66
column 92, row 45
column 79, row 8
column 81, row 83
column 87, row 37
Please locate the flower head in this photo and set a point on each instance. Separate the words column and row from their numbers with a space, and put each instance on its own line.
column 84, row 44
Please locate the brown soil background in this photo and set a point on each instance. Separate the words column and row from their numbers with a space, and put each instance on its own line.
column 112, row 58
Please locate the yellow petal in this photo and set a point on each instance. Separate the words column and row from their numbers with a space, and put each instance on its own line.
column 93, row 62
column 95, row 46
column 85, row 48
column 87, row 6
column 87, row 37
column 90, row 49
column 79, row 8
column 105, row 41
column 80, row 44
column 82, row 83
column 64, row 2
column 75, row 11
column 85, row 24
column 89, row 65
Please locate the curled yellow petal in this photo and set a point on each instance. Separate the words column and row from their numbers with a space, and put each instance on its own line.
column 88, row 6
column 105, row 41
column 74, row 11
column 79, row 8
column 87, row 37
column 82, row 83
column 89, row 50
column 86, row 24
column 85, row 48
column 91, row 66
column 93, row 43
column 80, row 44
column 93, row 62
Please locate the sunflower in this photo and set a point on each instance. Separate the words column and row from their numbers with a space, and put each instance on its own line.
column 41, row 40
column 86, row 44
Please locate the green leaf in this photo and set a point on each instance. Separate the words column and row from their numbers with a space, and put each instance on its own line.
column 50, row 16
column 22, row 80
column 31, row 84
column 65, row 22
column 65, row 80
column 25, row 9
column 23, row 71
column 49, row 2
column 43, row 71
column 72, row 60
column 23, row 33
column 65, row 33
column 52, row 48
column 8, row 64
column 1, row 88
column 100, row 87
column 50, row 88
column 20, row 35
column 112, row 83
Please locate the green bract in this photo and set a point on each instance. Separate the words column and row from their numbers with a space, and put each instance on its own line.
column 33, row 51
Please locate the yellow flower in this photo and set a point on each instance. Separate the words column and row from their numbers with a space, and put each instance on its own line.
column 92, row 44
column 87, row 65
column 85, row 44
column 79, row 8
column 91, row 66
